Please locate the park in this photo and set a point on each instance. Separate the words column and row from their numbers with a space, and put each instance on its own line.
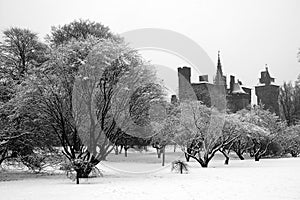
column 83, row 114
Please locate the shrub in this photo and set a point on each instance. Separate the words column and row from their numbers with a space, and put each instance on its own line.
column 79, row 166
column 179, row 166
column 40, row 159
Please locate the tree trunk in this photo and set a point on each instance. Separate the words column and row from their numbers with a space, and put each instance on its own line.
column 158, row 152
column 121, row 149
column 226, row 156
column 164, row 155
column 4, row 156
column 187, row 157
column 239, row 154
column 104, row 157
column 82, row 172
column 226, row 161
column 257, row 157
column 125, row 152
column 77, row 178
column 293, row 153
column 116, row 150
column 204, row 164
column 206, row 159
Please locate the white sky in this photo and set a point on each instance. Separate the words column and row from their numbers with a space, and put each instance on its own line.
column 249, row 33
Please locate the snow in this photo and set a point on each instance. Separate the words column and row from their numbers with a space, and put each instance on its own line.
column 242, row 180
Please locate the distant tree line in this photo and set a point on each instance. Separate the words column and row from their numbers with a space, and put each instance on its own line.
column 289, row 100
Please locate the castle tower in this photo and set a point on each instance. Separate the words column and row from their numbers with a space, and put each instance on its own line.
column 267, row 93
column 185, row 89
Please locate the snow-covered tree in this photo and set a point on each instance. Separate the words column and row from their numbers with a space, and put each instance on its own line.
column 103, row 93
column 21, row 53
column 201, row 134
column 233, row 131
column 165, row 127
column 85, row 97
column 79, row 30
column 290, row 140
column 267, row 127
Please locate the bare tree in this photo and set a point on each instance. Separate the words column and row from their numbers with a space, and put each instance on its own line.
column 201, row 132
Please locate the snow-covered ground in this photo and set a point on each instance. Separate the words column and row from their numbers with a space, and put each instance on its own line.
column 268, row 179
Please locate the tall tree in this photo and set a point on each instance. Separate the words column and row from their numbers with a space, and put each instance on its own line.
column 20, row 52
column 289, row 99
column 111, row 76
column 22, row 129
column 79, row 30
column 297, row 99
column 86, row 98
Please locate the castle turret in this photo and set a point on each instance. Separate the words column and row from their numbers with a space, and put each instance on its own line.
column 267, row 93
column 184, row 83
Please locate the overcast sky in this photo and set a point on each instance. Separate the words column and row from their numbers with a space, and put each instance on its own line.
column 249, row 33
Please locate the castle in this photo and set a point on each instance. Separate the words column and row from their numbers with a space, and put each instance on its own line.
column 218, row 94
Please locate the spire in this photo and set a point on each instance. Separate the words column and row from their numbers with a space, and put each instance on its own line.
column 219, row 66
column 219, row 79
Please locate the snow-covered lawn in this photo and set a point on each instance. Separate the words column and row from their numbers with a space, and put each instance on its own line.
column 268, row 179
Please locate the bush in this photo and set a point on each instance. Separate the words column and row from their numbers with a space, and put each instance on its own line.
column 290, row 141
column 85, row 169
column 34, row 162
column 179, row 166
column 40, row 159
column 274, row 150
